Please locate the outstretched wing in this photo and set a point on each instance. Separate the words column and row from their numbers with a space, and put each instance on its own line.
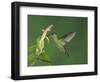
column 67, row 37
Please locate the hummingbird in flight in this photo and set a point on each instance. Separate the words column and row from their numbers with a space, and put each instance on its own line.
column 62, row 41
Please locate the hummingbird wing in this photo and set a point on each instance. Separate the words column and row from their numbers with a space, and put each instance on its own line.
column 67, row 37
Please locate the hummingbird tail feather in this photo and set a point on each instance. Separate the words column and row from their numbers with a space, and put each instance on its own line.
column 67, row 51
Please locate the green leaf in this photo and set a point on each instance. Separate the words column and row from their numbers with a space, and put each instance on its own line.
column 40, row 43
column 31, row 48
column 44, row 57
column 47, row 39
column 31, row 59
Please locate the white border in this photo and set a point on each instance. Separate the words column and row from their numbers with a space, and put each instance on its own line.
column 24, row 70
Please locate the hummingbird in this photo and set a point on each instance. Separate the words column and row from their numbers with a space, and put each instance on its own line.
column 62, row 41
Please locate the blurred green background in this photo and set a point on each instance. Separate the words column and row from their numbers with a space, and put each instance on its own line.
column 62, row 25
